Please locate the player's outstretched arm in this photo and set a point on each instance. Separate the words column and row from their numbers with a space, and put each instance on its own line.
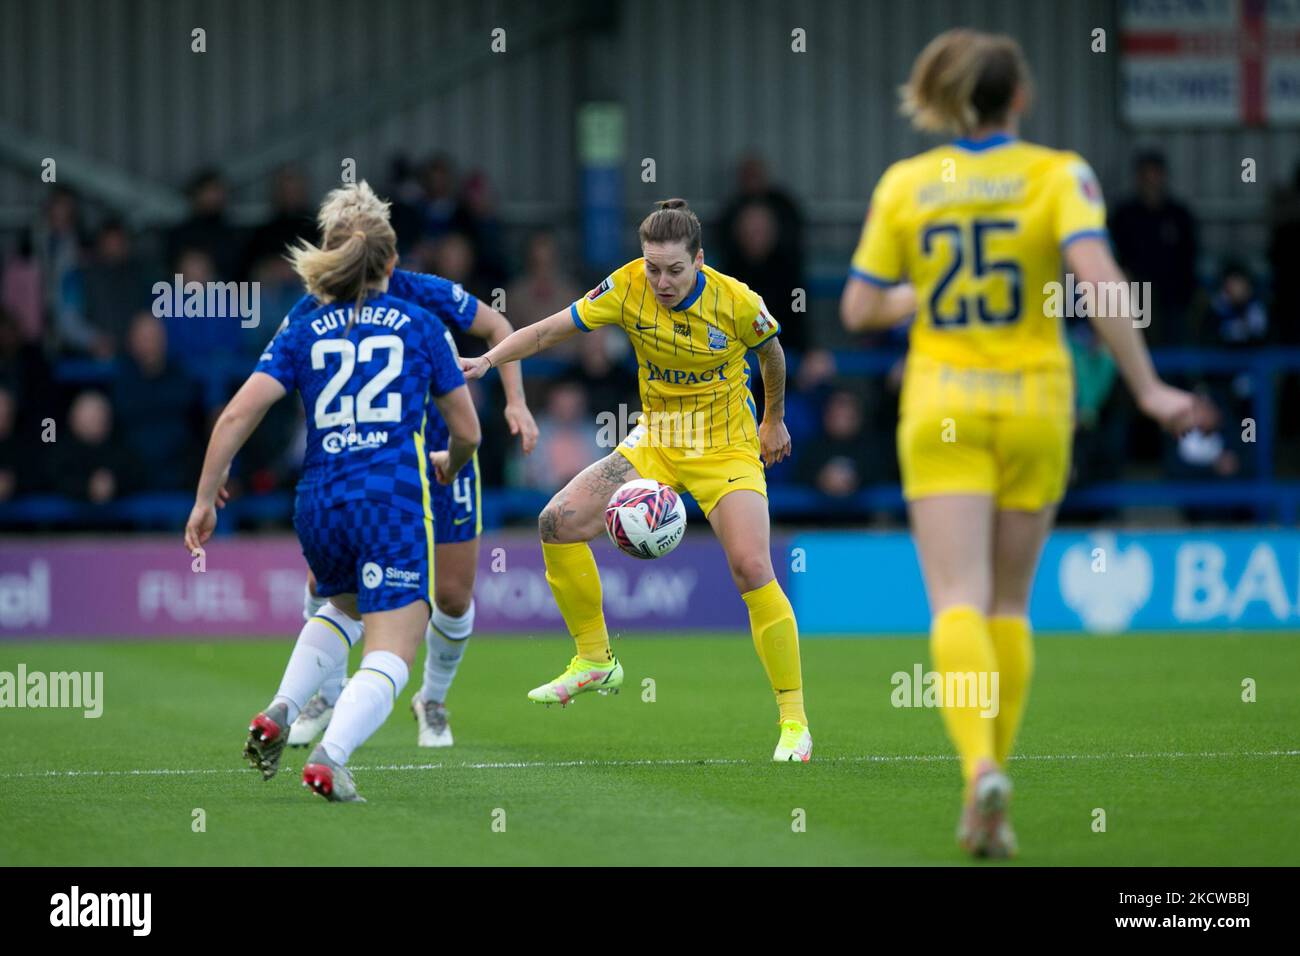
column 865, row 307
column 1176, row 411
column 773, row 436
column 521, row 343
column 457, row 410
column 237, row 421
column 494, row 328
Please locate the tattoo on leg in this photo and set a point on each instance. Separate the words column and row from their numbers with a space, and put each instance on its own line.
column 610, row 472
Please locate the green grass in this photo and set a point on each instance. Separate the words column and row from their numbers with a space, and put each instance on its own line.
column 1151, row 729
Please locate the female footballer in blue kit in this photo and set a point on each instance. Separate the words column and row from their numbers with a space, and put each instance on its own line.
column 366, row 363
column 456, row 508
column 970, row 236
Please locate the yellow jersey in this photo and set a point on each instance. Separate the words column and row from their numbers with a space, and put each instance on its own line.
column 978, row 228
column 692, row 373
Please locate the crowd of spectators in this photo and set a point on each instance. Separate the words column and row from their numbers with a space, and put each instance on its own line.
column 100, row 398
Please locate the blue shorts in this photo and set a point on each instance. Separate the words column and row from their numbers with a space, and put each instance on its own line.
column 456, row 514
column 380, row 553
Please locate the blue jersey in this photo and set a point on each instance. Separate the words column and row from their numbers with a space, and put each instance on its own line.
column 365, row 397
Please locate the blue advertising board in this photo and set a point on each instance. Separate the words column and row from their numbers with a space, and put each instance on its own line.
column 1098, row 581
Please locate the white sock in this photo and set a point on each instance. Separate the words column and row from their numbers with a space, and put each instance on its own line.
column 332, row 686
column 365, row 703
column 322, row 648
column 311, row 604
column 444, row 640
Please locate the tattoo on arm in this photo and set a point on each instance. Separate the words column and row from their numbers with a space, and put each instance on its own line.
column 771, row 362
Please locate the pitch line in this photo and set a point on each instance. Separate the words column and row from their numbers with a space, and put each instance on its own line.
column 679, row 762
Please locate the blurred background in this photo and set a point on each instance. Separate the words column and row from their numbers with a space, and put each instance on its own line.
column 521, row 143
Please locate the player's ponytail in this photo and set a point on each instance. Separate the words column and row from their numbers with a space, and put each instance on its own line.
column 357, row 244
column 964, row 79
column 673, row 221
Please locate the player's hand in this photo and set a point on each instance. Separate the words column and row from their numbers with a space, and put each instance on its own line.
column 475, row 367
column 441, row 461
column 773, row 441
column 521, row 423
column 1177, row 411
column 203, row 521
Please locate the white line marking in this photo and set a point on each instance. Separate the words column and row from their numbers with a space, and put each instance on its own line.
column 683, row 762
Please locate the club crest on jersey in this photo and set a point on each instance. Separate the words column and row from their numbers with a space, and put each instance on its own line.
column 601, row 289
column 717, row 339
column 763, row 323
column 1088, row 184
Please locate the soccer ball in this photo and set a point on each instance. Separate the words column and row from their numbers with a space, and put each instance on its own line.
column 645, row 519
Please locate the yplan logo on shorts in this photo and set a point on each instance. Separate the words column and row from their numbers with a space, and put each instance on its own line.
column 134, row 910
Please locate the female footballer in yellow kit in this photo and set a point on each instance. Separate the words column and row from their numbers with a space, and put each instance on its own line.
column 691, row 328
column 969, row 237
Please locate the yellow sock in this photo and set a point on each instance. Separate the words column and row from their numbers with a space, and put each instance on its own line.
column 575, row 582
column 1013, row 647
column 960, row 645
column 776, row 638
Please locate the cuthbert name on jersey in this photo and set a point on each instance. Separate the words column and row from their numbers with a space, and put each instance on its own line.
column 338, row 318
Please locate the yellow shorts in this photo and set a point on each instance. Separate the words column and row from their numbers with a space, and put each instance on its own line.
column 707, row 475
column 1006, row 434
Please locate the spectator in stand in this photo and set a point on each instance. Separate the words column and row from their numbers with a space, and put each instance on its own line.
column 762, row 244
column 543, row 289
column 841, row 462
column 407, row 197
column 57, row 241
column 481, row 224
column 440, row 208
column 116, row 284
column 12, row 458
column 292, row 219
column 158, row 410
column 86, row 463
column 22, row 291
column 208, row 347
column 207, row 229
column 566, row 439
column 1155, row 241
column 1283, row 254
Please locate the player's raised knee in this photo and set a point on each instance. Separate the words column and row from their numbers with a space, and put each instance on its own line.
column 751, row 571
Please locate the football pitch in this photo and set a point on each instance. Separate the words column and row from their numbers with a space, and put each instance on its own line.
column 1137, row 750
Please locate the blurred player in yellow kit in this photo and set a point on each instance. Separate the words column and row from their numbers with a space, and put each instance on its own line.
column 969, row 238
column 691, row 328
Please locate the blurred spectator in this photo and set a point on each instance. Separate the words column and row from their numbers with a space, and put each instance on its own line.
column 1155, row 241
column 1239, row 317
column 206, row 228
column 439, row 204
column 480, row 223
column 56, row 241
column 543, row 289
column 116, row 285
column 566, row 440
column 840, row 462
column 1100, row 420
column 86, row 463
column 198, row 339
column 762, row 244
column 1283, row 254
column 12, row 458
column 292, row 219
column 22, row 291
column 158, row 410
